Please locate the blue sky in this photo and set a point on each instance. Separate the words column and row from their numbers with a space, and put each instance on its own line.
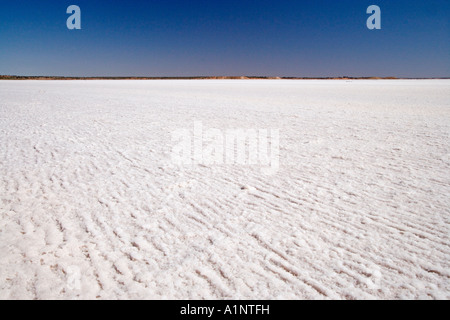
column 311, row 38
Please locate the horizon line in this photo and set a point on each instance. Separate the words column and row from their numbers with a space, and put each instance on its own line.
column 15, row 77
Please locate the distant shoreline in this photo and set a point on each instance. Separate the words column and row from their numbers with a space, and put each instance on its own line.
column 8, row 77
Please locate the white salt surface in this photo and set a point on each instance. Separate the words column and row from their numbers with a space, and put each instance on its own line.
column 92, row 206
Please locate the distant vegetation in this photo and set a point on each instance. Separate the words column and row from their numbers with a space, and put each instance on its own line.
column 6, row 77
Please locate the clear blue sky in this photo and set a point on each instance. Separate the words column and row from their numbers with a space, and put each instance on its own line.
column 234, row 37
